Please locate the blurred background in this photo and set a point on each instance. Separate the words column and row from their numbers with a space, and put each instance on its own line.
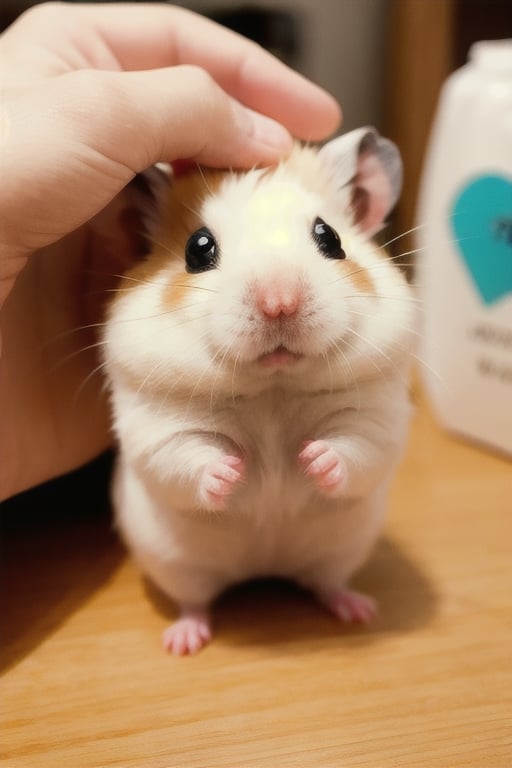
column 385, row 60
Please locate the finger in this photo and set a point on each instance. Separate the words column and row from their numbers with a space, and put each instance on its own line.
column 242, row 68
column 95, row 130
column 139, row 118
column 154, row 36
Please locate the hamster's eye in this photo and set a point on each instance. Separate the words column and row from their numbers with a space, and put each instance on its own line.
column 327, row 240
column 201, row 251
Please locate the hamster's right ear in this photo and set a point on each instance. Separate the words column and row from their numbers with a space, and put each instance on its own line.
column 128, row 225
column 370, row 168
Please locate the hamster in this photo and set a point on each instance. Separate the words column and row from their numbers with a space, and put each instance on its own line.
column 257, row 361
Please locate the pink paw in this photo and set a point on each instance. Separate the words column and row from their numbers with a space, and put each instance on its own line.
column 219, row 480
column 187, row 635
column 323, row 464
column 350, row 606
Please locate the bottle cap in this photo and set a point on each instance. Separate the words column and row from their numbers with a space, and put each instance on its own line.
column 492, row 56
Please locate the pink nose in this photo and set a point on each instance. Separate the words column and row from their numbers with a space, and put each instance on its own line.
column 275, row 300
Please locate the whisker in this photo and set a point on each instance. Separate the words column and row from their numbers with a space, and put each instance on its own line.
column 394, row 257
column 226, row 353
column 164, row 285
column 194, row 211
column 403, row 234
column 196, row 351
column 176, row 381
column 161, row 285
column 346, row 362
column 84, row 383
column 196, row 319
column 371, row 315
column 379, row 351
column 136, row 319
column 413, row 299
column 233, row 397
column 148, row 377
column 69, row 332
column 67, row 358
column 421, row 362
column 174, row 254
column 201, row 377
column 331, row 380
column 371, row 269
column 401, row 255
column 204, row 179
column 367, row 357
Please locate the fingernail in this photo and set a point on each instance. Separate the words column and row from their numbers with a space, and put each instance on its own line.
column 270, row 133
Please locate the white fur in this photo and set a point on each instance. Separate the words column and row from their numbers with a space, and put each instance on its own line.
column 188, row 388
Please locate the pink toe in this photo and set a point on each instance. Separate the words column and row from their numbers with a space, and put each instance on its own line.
column 332, row 476
column 351, row 607
column 187, row 635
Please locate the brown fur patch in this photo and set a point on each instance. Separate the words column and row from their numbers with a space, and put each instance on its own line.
column 182, row 218
column 358, row 276
column 304, row 165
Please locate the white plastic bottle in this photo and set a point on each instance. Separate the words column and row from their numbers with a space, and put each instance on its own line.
column 465, row 265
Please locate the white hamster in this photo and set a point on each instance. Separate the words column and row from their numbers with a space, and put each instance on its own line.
column 258, row 361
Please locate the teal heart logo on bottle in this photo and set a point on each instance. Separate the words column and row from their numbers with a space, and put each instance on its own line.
column 482, row 222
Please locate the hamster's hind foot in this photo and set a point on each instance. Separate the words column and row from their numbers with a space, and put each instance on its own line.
column 350, row 606
column 189, row 634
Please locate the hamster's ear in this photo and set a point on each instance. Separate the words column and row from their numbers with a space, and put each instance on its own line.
column 150, row 196
column 370, row 168
column 133, row 219
column 121, row 235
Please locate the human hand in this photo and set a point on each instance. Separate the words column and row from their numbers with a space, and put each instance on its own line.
column 91, row 96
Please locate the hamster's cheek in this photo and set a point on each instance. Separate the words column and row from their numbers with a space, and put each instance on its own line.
column 180, row 287
column 356, row 278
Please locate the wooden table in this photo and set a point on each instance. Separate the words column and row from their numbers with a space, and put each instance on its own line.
column 282, row 684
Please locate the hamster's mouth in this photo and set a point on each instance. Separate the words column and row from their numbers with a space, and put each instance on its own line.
column 281, row 357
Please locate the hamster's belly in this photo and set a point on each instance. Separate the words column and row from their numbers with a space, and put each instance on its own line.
column 280, row 529
column 276, row 522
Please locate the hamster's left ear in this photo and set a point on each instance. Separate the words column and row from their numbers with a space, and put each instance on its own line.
column 370, row 168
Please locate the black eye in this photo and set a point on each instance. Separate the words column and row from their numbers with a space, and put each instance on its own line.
column 327, row 240
column 201, row 251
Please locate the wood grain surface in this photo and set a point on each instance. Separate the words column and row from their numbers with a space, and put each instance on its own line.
column 85, row 683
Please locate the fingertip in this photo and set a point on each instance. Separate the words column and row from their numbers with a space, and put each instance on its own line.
column 312, row 113
column 322, row 120
column 269, row 134
column 334, row 114
column 244, row 139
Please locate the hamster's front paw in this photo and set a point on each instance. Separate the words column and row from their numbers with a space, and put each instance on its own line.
column 218, row 481
column 322, row 463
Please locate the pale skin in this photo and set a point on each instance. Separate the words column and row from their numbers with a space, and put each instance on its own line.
column 91, row 95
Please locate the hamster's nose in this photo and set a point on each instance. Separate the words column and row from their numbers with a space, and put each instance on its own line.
column 277, row 299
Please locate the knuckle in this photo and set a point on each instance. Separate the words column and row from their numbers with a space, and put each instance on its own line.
column 82, row 89
column 205, row 91
column 95, row 90
column 199, row 79
column 213, row 104
column 88, row 80
column 44, row 13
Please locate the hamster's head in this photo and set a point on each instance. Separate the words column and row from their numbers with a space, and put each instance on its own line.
column 269, row 277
